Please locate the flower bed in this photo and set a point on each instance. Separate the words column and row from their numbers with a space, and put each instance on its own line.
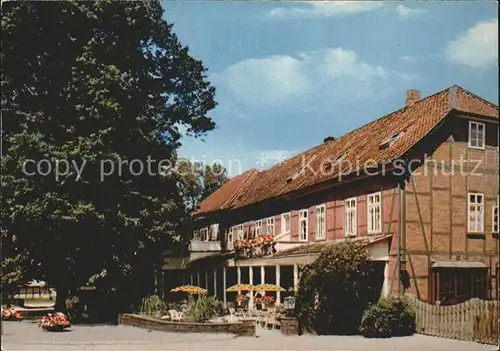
column 237, row 328
column 255, row 247
column 55, row 322
column 11, row 314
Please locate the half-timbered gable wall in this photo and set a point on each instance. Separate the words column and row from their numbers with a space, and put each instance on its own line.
column 436, row 236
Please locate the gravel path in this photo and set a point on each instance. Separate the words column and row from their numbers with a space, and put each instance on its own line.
column 27, row 336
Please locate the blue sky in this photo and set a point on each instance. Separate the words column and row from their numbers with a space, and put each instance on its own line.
column 288, row 74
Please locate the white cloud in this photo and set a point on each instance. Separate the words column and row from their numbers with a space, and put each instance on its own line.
column 311, row 77
column 314, row 9
column 477, row 47
column 273, row 79
column 405, row 12
column 234, row 157
column 407, row 77
column 408, row 59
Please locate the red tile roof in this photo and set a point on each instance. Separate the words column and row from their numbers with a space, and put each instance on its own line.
column 226, row 193
column 359, row 147
column 363, row 144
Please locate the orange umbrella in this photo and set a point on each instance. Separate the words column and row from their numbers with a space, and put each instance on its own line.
column 242, row 287
column 268, row 287
column 190, row 289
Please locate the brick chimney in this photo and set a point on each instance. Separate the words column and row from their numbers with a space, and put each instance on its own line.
column 412, row 96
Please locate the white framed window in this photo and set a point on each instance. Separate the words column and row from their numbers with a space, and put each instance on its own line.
column 477, row 134
column 476, row 213
column 285, row 222
column 303, row 225
column 214, row 232
column 196, row 234
column 239, row 231
column 494, row 218
column 204, row 234
column 321, row 222
column 374, row 213
column 257, row 228
column 351, row 220
column 230, row 238
column 270, row 226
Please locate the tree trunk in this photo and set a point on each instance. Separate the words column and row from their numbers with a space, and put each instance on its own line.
column 61, row 296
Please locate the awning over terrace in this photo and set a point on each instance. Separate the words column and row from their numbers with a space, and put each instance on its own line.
column 172, row 263
column 306, row 254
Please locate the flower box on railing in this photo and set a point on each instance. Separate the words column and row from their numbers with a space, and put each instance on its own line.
column 254, row 247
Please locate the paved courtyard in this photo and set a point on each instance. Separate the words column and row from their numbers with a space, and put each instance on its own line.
column 27, row 336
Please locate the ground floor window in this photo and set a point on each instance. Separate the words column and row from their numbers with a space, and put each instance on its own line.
column 452, row 286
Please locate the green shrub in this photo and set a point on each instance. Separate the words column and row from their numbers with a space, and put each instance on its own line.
column 389, row 317
column 336, row 288
column 153, row 306
column 202, row 308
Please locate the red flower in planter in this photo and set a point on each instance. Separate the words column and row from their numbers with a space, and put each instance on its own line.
column 9, row 313
column 56, row 321
column 267, row 298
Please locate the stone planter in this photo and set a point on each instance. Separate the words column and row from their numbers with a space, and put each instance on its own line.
column 289, row 326
column 247, row 328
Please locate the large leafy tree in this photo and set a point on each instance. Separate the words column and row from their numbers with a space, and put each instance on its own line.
column 336, row 288
column 214, row 177
column 198, row 181
column 95, row 83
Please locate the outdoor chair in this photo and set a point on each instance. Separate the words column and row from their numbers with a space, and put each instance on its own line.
column 261, row 318
column 251, row 313
column 176, row 315
column 240, row 313
column 232, row 314
column 172, row 314
column 180, row 316
column 270, row 319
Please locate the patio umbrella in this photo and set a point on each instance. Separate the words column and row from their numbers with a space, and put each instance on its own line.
column 190, row 289
column 268, row 287
column 241, row 287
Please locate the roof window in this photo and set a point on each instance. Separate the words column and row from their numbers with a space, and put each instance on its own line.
column 328, row 166
column 295, row 176
column 392, row 139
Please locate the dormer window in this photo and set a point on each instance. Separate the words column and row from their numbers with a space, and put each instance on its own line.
column 328, row 166
column 476, row 135
column 294, row 176
column 392, row 139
